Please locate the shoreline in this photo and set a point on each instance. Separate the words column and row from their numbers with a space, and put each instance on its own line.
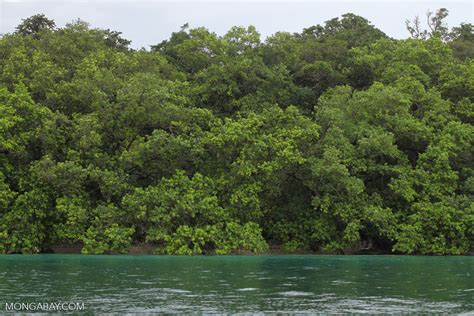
column 148, row 250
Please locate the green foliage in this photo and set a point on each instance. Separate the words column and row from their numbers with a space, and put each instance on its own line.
column 435, row 22
column 336, row 139
column 234, row 238
column 353, row 29
column 319, row 76
column 457, row 82
column 99, row 240
column 237, row 238
column 35, row 24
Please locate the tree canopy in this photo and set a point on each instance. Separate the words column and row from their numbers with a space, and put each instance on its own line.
column 337, row 139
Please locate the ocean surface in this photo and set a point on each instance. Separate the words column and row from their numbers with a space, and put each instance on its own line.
column 242, row 284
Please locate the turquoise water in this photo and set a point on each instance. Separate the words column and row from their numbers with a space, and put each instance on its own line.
column 238, row 284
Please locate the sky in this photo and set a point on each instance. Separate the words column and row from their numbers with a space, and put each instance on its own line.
column 148, row 22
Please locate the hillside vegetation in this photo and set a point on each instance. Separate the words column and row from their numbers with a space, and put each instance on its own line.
column 337, row 139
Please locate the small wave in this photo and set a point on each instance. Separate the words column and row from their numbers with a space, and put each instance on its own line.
column 295, row 293
column 310, row 268
column 177, row 291
column 246, row 289
column 341, row 282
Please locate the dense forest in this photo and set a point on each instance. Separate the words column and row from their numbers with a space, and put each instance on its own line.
column 338, row 139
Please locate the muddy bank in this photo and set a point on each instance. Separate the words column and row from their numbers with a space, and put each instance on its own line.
column 147, row 249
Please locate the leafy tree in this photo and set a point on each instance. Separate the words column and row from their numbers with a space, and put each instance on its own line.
column 435, row 22
column 462, row 41
column 191, row 50
column 353, row 29
column 337, row 139
column 34, row 24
